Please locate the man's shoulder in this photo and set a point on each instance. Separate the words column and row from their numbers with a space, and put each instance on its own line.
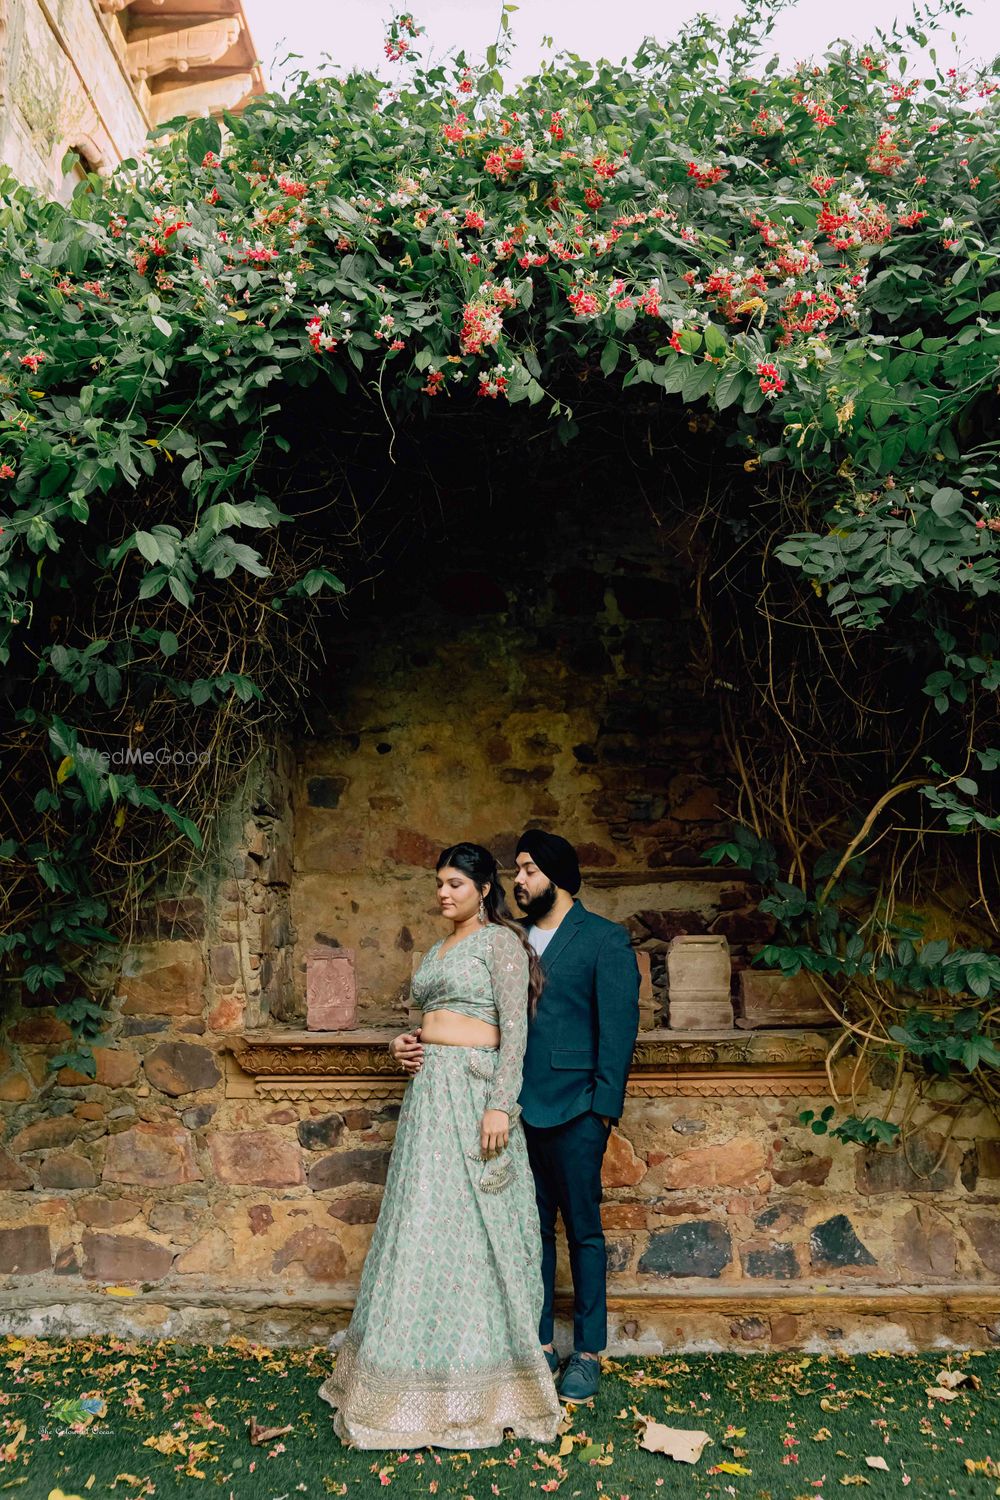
column 602, row 928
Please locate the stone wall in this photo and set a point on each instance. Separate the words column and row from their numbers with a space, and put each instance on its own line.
column 554, row 683
column 728, row 1223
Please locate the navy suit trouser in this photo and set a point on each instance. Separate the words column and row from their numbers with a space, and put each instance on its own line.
column 566, row 1165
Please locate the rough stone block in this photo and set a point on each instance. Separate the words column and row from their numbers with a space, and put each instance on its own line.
column 177, row 1068
column 701, row 1248
column 321, row 1134
column 167, row 979
column 116, row 1068
column 320, row 1255
column 924, row 1165
column 349, row 1166
column 354, row 1210
column 733, row 1163
column 256, row 1158
column 770, row 998
column 106, row 1213
column 151, row 1156
column 25, row 1249
column 834, row 1246
column 771, row 1261
column 926, row 1247
column 13, row 1178
column 621, row 1166
column 64, row 1169
column 123, row 1257
column 57, row 1130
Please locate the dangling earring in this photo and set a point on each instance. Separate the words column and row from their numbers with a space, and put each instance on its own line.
column 482, row 911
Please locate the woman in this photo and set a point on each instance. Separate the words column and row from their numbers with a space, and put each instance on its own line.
column 442, row 1349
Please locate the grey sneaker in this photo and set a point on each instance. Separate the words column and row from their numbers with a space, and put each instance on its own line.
column 552, row 1360
column 580, row 1380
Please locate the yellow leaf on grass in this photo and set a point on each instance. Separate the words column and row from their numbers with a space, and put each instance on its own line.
column 822, row 1435
column 58, row 1495
column 854, row 1479
column 8, row 1450
column 728, row 1468
column 566, row 1446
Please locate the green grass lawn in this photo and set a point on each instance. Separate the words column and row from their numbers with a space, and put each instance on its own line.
column 75, row 1416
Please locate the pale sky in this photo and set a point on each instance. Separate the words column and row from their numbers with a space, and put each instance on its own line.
column 352, row 33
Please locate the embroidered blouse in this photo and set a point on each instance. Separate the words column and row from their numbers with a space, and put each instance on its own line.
column 484, row 976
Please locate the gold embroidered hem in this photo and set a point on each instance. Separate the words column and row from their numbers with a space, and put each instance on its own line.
column 457, row 1410
column 442, row 1349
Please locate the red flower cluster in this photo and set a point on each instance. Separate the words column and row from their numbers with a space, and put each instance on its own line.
column 500, row 163
column 771, row 382
column 706, row 176
column 293, row 189
column 473, row 220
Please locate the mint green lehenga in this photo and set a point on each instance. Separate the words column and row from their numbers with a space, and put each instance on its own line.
column 442, row 1349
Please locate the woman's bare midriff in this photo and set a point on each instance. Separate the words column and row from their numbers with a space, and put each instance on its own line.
column 450, row 1028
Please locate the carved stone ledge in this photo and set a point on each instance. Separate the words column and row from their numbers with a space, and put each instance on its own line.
column 355, row 1066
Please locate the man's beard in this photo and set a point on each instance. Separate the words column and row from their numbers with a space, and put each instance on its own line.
column 535, row 907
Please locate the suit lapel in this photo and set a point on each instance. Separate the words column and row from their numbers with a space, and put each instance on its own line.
column 565, row 933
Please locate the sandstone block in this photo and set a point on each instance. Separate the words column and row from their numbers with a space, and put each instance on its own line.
column 151, row 1156
column 123, row 1257
column 926, row 1247
column 354, row 1210
column 177, row 1068
column 210, row 1256
column 169, row 980
column 106, row 1213
column 256, row 1158
column 331, row 989
column 342, row 1167
column 770, row 998
column 925, row 1166
column 13, row 1178
column 712, row 1013
column 64, row 1169
column 733, row 1163
column 116, row 1067
column 318, row 1253
column 25, row 1249
column 15, row 1088
column 984, row 1232
column 57, row 1130
column 621, row 1167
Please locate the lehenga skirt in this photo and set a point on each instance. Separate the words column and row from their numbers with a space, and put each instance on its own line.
column 442, row 1348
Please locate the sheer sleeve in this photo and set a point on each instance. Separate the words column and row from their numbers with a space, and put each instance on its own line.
column 509, row 972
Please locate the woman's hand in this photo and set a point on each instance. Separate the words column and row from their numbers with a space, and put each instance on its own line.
column 406, row 1049
column 494, row 1132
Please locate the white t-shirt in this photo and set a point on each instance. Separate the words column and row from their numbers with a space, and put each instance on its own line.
column 541, row 937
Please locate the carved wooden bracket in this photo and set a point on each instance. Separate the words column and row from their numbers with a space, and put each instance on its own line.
column 355, row 1066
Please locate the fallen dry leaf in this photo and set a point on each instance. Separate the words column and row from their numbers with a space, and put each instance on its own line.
column 854, row 1479
column 987, row 1466
column 260, row 1435
column 680, row 1443
column 822, row 1435
column 877, row 1463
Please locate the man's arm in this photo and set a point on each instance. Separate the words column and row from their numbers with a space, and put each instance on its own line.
column 616, row 983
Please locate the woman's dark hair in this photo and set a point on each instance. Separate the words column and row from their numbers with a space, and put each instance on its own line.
column 481, row 868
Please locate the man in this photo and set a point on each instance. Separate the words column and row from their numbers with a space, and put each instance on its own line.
column 575, row 1069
